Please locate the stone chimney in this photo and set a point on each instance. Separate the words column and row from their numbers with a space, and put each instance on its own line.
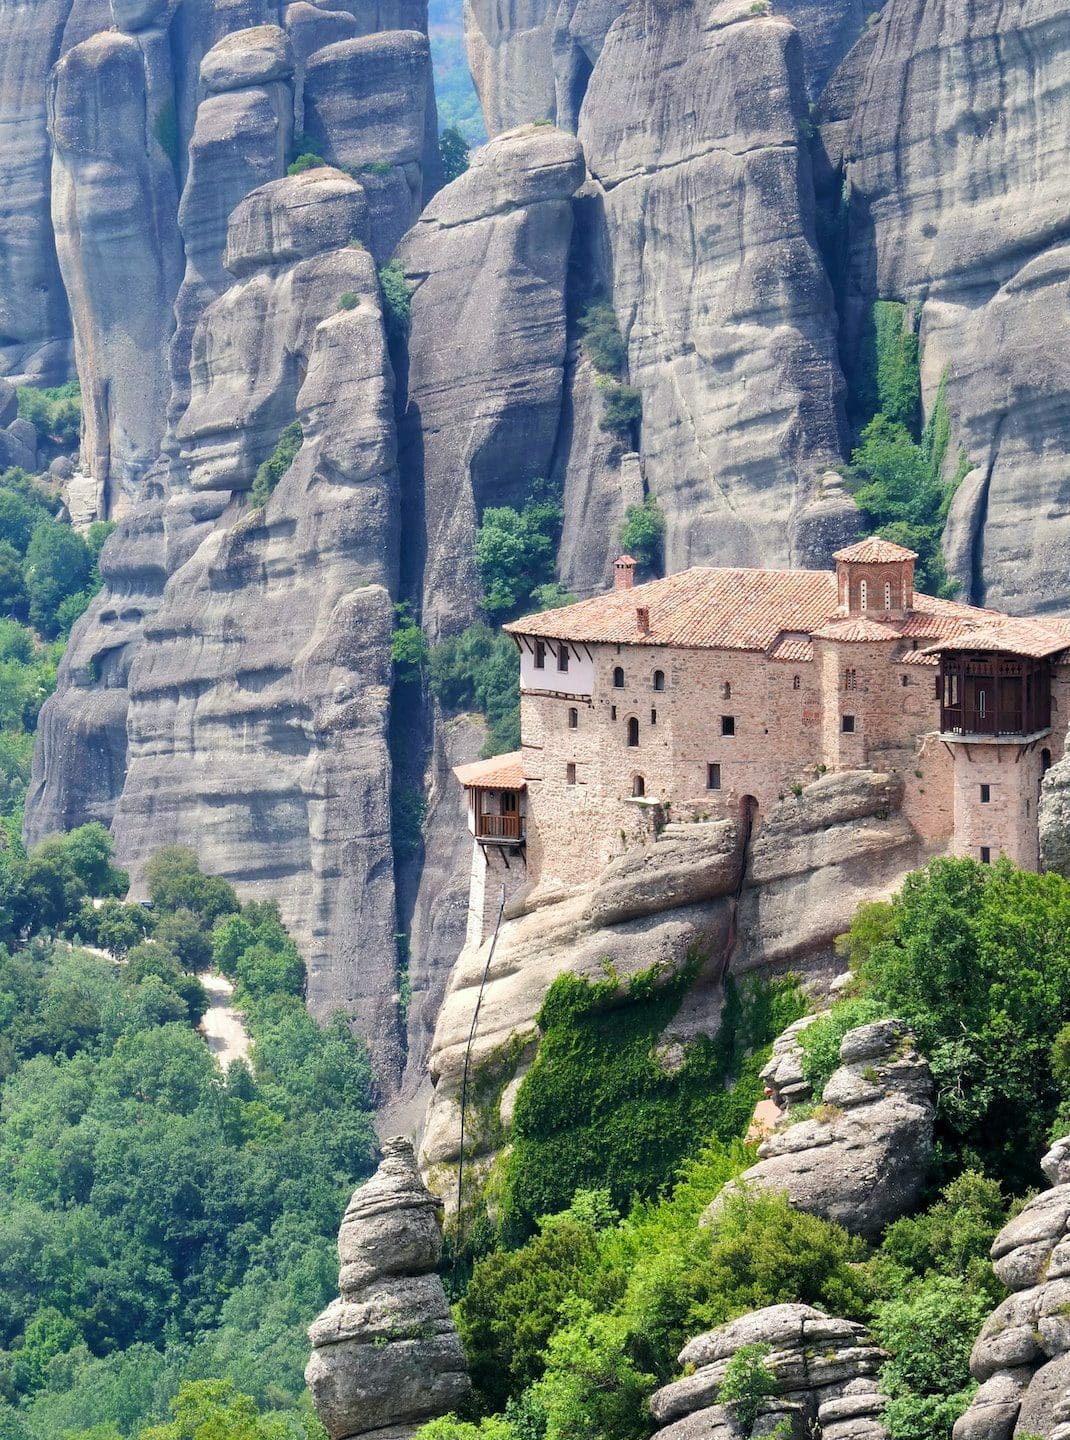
column 623, row 573
column 642, row 618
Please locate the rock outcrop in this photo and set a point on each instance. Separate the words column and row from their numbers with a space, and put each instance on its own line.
column 1054, row 819
column 365, row 108
column 111, row 111
column 955, row 112
column 825, row 1371
column 861, row 1159
column 385, row 1354
column 489, row 259
column 1022, row 1355
column 691, row 130
column 241, row 140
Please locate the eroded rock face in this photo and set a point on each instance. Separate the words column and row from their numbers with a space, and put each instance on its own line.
column 385, row 1354
column 861, row 1160
column 956, row 110
column 489, row 259
column 691, row 129
column 1022, row 1355
column 1054, row 818
column 114, row 204
column 259, row 697
column 825, row 1371
column 240, row 141
column 365, row 108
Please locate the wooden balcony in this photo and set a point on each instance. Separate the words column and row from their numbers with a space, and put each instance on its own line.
column 500, row 829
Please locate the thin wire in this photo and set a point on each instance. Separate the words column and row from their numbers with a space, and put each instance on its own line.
column 467, row 1061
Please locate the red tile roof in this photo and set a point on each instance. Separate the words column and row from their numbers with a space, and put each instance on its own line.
column 791, row 646
column 503, row 772
column 699, row 609
column 875, row 551
column 856, row 628
column 1016, row 637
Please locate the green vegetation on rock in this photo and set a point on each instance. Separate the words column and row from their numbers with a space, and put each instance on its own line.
column 55, row 412
column 397, row 300
column 642, row 535
column 480, row 670
column 453, row 148
column 276, row 465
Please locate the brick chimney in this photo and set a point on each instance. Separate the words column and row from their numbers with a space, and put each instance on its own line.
column 623, row 573
column 642, row 617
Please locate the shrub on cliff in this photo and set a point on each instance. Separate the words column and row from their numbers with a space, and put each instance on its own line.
column 643, row 534
column 276, row 465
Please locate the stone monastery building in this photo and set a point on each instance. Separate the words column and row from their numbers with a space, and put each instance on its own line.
column 715, row 692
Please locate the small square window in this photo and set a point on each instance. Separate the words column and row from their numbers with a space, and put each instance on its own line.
column 986, row 855
column 986, row 794
column 540, row 655
column 562, row 659
column 728, row 724
column 570, row 773
column 906, row 680
column 713, row 777
column 847, row 724
column 573, row 719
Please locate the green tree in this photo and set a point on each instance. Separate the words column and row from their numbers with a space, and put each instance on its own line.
column 453, row 148
column 397, row 300
column 748, row 1382
column 592, row 1389
column 175, row 882
column 930, row 1332
column 14, row 597
column 515, row 552
column 281, row 458
column 602, row 338
column 58, row 564
column 643, row 533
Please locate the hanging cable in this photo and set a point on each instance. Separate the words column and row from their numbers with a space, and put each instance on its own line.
column 467, row 1062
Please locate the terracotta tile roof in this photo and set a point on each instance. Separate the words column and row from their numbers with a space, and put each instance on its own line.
column 1016, row 637
column 791, row 646
column 857, row 628
column 875, row 551
column 503, row 772
column 701, row 608
column 915, row 657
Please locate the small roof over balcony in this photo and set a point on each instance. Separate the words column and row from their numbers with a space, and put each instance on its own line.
column 1034, row 639
column 503, row 772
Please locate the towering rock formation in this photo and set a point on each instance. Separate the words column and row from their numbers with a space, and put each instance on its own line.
column 240, row 141
column 114, row 206
column 691, row 128
column 957, row 114
column 489, row 260
column 385, row 1354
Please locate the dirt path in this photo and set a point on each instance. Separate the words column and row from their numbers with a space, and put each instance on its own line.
column 222, row 1026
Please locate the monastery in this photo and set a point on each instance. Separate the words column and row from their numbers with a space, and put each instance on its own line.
column 716, row 692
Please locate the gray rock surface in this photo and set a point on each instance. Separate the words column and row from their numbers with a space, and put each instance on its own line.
column 1022, row 1355
column 114, row 206
column 861, row 1160
column 689, row 864
column 257, row 731
column 365, row 108
column 828, row 29
column 957, row 109
column 35, row 326
column 691, row 130
column 240, row 141
column 1054, row 819
column 489, row 260
column 825, row 1371
column 386, row 1353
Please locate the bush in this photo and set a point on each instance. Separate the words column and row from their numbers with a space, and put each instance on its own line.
column 643, row 533
column 602, row 339
column 953, row 1237
column 622, row 409
column 176, row 882
column 55, row 412
column 930, row 1332
column 890, row 366
column 58, row 565
column 408, row 647
column 820, row 1042
column 397, row 300
column 349, row 301
column 275, row 467
column 748, row 1383
column 306, row 161
column 592, row 1389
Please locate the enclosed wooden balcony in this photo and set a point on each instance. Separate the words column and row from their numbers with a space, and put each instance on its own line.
column 502, row 829
column 986, row 694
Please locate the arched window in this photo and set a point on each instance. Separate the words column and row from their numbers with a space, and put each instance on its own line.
column 863, row 595
column 726, row 690
column 618, row 678
column 573, row 718
column 633, row 731
column 887, row 594
column 638, row 787
column 659, row 679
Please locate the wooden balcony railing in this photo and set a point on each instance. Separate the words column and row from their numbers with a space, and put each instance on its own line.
column 500, row 827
